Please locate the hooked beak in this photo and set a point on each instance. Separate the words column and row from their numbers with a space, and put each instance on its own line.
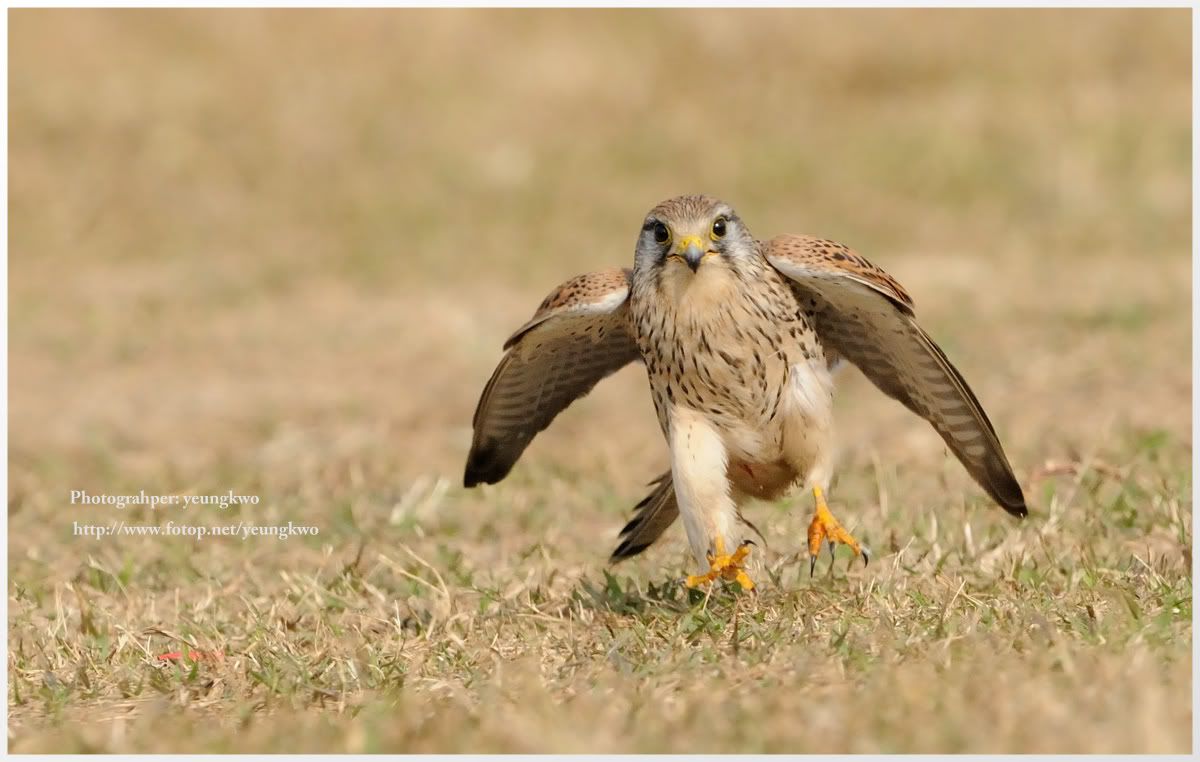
column 692, row 251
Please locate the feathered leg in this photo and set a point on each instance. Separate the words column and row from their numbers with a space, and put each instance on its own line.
column 698, row 468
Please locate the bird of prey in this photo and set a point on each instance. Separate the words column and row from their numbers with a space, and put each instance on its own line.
column 740, row 339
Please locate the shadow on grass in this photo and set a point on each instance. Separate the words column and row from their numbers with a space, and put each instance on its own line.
column 622, row 595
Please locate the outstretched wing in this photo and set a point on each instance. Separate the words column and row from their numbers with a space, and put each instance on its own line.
column 866, row 316
column 579, row 335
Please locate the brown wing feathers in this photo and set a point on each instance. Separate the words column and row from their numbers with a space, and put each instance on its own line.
column 864, row 315
column 578, row 336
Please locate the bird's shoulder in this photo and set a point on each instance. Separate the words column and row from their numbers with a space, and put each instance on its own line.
column 590, row 293
column 802, row 257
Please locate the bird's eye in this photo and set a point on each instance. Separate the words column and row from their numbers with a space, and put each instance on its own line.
column 661, row 234
column 718, row 228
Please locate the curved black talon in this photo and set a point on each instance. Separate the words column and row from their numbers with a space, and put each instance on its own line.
column 866, row 558
column 812, row 566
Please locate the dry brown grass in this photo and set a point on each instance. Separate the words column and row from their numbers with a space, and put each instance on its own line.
column 276, row 252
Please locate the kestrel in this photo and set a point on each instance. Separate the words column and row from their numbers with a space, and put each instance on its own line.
column 740, row 339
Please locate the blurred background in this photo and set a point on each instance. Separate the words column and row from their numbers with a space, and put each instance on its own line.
column 234, row 229
column 278, row 251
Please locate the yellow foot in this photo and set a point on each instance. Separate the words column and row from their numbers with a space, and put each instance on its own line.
column 722, row 566
column 825, row 527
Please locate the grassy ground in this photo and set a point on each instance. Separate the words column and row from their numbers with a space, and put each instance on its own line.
column 276, row 253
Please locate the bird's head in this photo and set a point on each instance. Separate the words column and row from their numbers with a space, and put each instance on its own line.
column 692, row 237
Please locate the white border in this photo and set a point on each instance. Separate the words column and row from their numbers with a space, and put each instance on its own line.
column 617, row 4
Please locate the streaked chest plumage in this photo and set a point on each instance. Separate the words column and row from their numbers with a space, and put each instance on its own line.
column 723, row 343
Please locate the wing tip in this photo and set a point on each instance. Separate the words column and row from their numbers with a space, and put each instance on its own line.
column 475, row 477
column 483, row 467
column 1017, row 509
column 472, row 479
column 1008, row 495
column 1001, row 483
